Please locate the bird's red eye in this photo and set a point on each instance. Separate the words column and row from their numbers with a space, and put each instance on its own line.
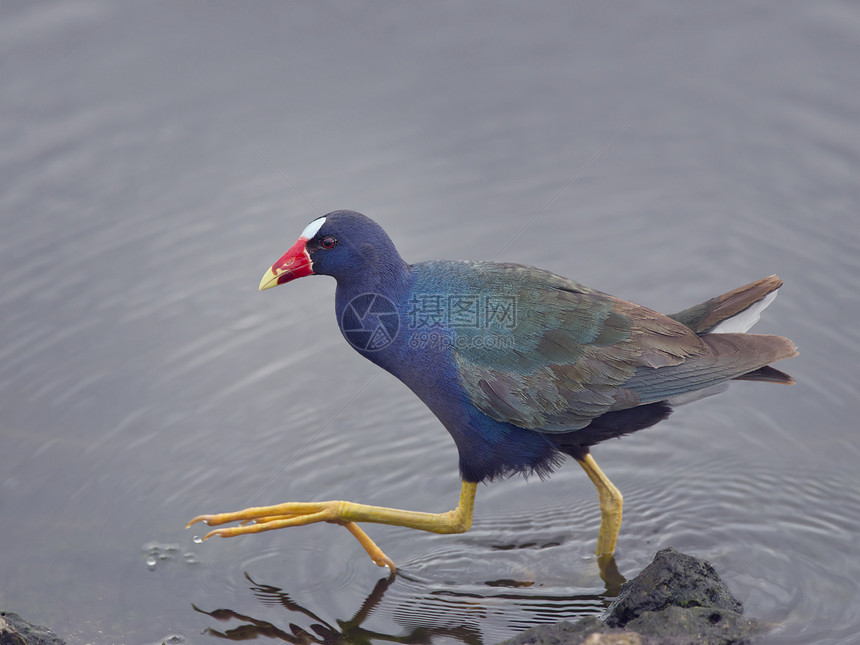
column 329, row 242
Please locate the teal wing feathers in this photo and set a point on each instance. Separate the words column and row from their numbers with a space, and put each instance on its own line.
column 574, row 353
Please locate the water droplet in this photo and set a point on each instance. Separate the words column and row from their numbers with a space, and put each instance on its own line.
column 151, row 562
column 197, row 539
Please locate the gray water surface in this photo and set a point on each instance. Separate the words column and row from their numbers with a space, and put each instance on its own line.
column 156, row 158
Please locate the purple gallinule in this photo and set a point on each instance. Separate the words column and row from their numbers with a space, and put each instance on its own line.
column 522, row 366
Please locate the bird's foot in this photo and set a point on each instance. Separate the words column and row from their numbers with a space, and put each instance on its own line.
column 269, row 518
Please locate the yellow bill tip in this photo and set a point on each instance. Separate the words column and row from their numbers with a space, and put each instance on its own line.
column 269, row 280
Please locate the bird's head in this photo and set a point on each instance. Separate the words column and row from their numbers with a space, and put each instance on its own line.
column 343, row 244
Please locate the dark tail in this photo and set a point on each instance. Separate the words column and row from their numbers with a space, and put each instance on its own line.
column 704, row 317
column 743, row 305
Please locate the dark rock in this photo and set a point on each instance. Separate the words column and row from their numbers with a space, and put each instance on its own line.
column 14, row 630
column 673, row 579
column 676, row 600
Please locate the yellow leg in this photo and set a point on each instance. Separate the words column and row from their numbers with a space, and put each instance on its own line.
column 610, row 506
column 269, row 518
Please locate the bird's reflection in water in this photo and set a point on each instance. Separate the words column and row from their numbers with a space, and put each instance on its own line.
column 449, row 614
column 321, row 631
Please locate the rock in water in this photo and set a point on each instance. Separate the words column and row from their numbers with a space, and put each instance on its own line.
column 673, row 579
column 676, row 600
column 14, row 630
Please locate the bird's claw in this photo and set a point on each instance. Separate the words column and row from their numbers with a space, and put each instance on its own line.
column 268, row 518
